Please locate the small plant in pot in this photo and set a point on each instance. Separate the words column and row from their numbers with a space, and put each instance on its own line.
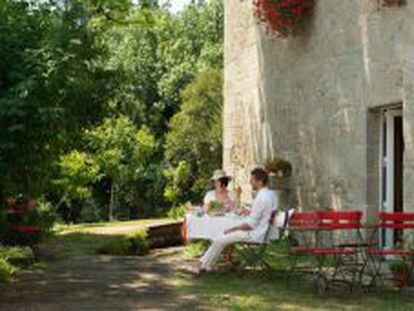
column 400, row 272
column 278, row 168
column 279, row 171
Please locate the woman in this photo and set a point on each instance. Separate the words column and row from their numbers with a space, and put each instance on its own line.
column 221, row 199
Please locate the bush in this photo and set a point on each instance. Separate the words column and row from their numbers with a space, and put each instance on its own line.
column 133, row 244
column 18, row 256
column 138, row 243
column 177, row 212
column 12, row 259
column 44, row 217
column 7, row 270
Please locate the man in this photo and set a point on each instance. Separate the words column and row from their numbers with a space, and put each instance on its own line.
column 255, row 226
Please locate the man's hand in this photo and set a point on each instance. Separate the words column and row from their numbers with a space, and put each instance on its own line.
column 245, row 212
column 243, row 227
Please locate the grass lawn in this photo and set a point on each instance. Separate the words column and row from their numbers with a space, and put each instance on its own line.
column 93, row 238
column 123, row 227
column 234, row 291
column 225, row 289
column 251, row 291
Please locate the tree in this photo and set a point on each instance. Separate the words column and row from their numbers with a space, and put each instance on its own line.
column 78, row 172
column 194, row 142
column 51, row 87
column 121, row 151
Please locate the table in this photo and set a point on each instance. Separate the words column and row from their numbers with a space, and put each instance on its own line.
column 212, row 227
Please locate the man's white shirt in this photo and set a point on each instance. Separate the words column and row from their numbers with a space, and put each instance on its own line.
column 263, row 205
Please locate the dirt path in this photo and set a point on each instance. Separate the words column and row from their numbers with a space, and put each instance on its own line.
column 102, row 283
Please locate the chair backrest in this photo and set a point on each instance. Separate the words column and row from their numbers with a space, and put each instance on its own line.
column 302, row 220
column 340, row 219
column 270, row 224
column 397, row 220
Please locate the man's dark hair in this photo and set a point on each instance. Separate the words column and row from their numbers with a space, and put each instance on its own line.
column 260, row 174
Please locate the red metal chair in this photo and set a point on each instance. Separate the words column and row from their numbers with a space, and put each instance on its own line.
column 301, row 226
column 339, row 260
column 399, row 222
column 302, row 223
column 336, row 261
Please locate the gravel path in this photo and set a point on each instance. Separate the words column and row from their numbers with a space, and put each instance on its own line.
column 102, row 283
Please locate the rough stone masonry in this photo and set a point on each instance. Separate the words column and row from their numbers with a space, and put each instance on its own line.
column 315, row 99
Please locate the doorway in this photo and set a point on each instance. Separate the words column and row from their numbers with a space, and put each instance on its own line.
column 391, row 170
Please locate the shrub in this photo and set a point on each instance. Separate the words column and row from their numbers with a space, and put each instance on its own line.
column 133, row 244
column 7, row 270
column 14, row 258
column 18, row 256
column 44, row 216
column 138, row 243
column 177, row 212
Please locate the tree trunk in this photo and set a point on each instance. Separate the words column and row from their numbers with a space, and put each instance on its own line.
column 112, row 202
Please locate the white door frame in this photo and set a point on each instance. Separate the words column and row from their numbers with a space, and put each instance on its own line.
column 387, row 161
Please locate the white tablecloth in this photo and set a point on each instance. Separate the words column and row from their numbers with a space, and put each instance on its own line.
column 209, row 227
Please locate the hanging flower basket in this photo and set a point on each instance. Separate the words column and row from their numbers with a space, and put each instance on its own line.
column 390, row 3
column 283, row 17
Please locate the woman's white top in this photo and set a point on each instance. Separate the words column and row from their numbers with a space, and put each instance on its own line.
column 211, row 196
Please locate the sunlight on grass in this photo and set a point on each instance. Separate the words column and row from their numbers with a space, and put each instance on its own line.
column 249, row 290
column 253, row 292
column 113, row 238
column 109, row 227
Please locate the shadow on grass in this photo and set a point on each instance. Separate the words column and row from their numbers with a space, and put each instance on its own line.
column 249, row 290
column 71, row 244
column 75, row 278
column 97, row 283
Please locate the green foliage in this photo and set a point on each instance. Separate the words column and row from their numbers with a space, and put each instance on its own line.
column 138, row 243
column 7, row 270
column 78, row 171
column 12, row 259
column 193, row 144
column 121, row 151
column 179, row 178
column 194, row 250
column 113, row 246
column 45, row 216
column 18, row 256
column 85, row 64
column 131, row 244
column 177, row 212
column 50, row 88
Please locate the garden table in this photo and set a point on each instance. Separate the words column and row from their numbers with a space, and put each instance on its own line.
column 212, row 227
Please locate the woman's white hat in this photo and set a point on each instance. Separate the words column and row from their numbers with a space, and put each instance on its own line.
column 219, row 174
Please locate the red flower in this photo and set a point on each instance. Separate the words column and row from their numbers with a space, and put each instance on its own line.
column 282, row 16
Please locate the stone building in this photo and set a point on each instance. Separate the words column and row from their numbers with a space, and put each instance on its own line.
column 336, row 101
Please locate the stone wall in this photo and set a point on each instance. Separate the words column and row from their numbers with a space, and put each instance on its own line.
column 314, row 99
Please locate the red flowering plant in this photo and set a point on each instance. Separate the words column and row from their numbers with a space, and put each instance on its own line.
column 284, row 17
column 390, row 3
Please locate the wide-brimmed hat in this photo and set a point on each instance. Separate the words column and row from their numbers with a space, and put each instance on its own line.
column 219, row 174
